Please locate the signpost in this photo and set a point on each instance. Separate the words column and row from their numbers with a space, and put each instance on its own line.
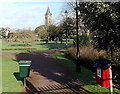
column 111, row 87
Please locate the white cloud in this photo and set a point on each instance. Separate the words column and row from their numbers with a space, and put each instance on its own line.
column 59, row 0
column 32, row 0
column 25, row 14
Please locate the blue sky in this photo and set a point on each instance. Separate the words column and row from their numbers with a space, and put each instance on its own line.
column 28, row 13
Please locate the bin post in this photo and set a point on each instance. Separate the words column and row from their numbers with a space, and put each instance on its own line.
column 111, row 87
column 24, row 82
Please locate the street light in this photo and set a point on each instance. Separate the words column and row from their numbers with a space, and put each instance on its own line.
column 66, row 13
column 78, row 69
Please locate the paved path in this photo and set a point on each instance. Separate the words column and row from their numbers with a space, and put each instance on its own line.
column 47, row 75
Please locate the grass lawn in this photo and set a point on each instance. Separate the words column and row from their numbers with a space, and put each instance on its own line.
column 9, row 66
column 0, row 69
column 9, row 82
column 0, row 75
column 39, row 46
column 86, row 77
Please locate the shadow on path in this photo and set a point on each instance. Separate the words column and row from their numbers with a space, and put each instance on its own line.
column 48, row 75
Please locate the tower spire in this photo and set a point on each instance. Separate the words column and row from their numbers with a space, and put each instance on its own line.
column 48, row 17
column 48, row 10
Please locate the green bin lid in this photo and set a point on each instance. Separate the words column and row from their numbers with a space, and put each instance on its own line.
column 25, row 63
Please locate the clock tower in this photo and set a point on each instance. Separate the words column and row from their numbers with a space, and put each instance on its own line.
column 48, row 17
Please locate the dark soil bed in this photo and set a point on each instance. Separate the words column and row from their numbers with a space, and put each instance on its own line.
column 20, row 49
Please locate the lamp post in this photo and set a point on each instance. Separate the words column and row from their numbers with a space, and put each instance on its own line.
column 78, row 69
column 66, row 13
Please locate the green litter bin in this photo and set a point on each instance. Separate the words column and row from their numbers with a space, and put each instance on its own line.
column 24, row 68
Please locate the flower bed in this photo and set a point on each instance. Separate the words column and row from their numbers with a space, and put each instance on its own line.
column 19, row 49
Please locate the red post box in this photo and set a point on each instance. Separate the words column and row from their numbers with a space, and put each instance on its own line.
column 102, row 72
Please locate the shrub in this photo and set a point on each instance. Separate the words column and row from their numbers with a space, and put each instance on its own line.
column 87, row 55
column 24, row 36
column 86, row 52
